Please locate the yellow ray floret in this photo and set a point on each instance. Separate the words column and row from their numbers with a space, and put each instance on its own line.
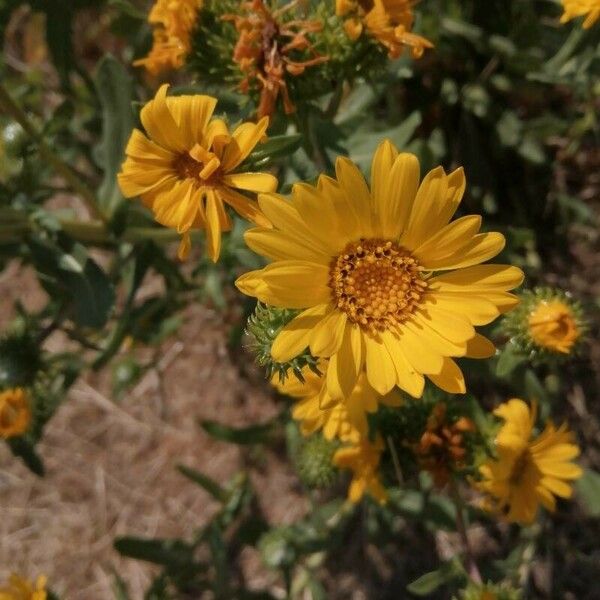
column 185, row 168
column 173, row 22
column 363, row 459
column 390, row 22
column 590, row 9
column 15, row 413
column 19, row 588
column 344, row 419
column 553, row 325
column 386, row 282
column 528, row 471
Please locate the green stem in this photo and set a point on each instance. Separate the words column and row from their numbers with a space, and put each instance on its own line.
column 13, row 109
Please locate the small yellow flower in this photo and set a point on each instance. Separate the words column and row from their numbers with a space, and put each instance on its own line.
column 20, row 588
column 15, row 413
column 528, row 471
column 344, row 419
column 579, row 8
column 184, row 170
column 388, row 21
column 363, row 459
column 174, row 22
column 552, row 325
column 386, row 282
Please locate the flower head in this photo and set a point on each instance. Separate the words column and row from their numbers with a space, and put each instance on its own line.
column 15, row 413
column 267, row 52
column 441, row 449
column 344, row 419
column 184, row 169
column 528, row 471
column 364, row 265
column 363, row 459
column 388, row 21
column 590, row 9
column 173, row 21
column 19, row 588
column 547, row 322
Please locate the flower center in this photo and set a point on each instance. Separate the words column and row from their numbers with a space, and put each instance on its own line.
column 377, row 283
column 199, row 164
column 518, row 470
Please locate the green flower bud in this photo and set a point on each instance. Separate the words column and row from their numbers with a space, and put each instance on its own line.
column 314, row 462
column 262, row 329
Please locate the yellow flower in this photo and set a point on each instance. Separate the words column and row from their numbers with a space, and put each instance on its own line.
column 579, row 8
column 388, row 21
column 15, row 413
column 184, row 171
column 19, row 588
column 553, row 325
column 174, row 22
column 528, row 471
column 345, row 419
column 361, row 264
column 363, row 458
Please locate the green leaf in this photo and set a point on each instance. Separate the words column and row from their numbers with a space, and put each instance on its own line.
column 588, row 491
column 25, row 450
column 208, row 484
column 168, row 553
column 115, row 92
column 275, row 147
column 430, row 582
column 364, row 142
column 255, row 434
column 120, row 588
column 510, row 358
column 128, row 9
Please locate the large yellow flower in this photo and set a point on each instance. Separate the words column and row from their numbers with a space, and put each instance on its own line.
column 19, row 588
column 344, row 419
column 528, row 472
column 361, row 264
column 388, row 21
column 184, row 171
column 15, row 413
column 579, row 8
column 173, row 21
column 363, row 459
column 553, row 325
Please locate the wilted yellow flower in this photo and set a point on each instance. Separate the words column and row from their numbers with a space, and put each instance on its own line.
column 363, row 459
column 528, row 471
column 344, row 419
column 389, row 21
column 20, row 588
column 267, row 51
column 174, row 22
column 184, row 171
column 361, row 264
column 579, row 8
column 553, row 325
column 15, row 413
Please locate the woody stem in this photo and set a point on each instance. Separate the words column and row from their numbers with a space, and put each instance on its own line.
column 461, row 527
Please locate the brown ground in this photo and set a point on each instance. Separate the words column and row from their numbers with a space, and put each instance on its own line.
column 111, row 466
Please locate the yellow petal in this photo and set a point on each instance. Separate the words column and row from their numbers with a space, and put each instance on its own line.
column 160, row 124
column 424, row 359
column 327, row 336
column 397, row 198
column 346, row 364
column 407, row 378
column 243, row 141
column 294, row 338
column 277, row 246
column 253, row 182
column 450, row 378
column 357, row 193
column 192, row 114
column 481, row 277
column 480, row 347
column 245, row 207
column 481, row 248
column 381, row 372
column 213, row 226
